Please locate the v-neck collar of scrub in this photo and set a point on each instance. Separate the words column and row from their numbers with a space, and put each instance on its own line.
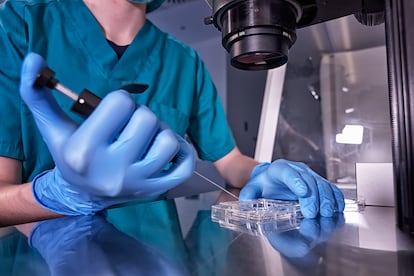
column 94, row 43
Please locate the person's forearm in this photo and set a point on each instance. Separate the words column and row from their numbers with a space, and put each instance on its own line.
column 17, row 205
column 236, row 168
column 243, row 167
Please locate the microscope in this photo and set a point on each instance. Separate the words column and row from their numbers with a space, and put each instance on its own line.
column 258, row 34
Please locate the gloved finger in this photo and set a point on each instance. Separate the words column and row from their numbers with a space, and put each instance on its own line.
column 136, row 137
column 163, row 149
column 322, row 197
column 338, row 197
column 326, row 198
column 309, row 202
column 252, row 190
column 52, row 122
column 99, row 129
column 107, row 120
column 184, row 161
column 180, row 170
column 310, row 205
column 290, row 175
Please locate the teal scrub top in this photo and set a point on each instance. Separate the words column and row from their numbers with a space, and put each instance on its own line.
column 181, row 92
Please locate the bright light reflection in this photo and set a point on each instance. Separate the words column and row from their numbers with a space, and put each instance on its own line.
column 351, row 134
column 349, row 110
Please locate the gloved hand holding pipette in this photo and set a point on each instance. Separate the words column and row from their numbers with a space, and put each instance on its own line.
column 93, row 169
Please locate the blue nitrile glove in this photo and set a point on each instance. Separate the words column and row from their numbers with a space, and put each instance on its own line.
column 89, row 245
column 287, row 180
column 119, row 153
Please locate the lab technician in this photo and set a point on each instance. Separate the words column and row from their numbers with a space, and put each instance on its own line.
column 55, row 163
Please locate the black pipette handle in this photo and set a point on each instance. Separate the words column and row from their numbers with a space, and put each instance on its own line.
column 46, row 78
column 86, row 101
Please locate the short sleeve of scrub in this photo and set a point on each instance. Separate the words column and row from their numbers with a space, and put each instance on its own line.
column 12, row 41
column 19, row 136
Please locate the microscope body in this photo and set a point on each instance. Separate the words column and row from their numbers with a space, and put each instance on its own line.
column 259, row 33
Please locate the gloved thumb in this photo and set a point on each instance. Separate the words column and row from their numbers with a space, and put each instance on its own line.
column 53, row 123
column 251, row 191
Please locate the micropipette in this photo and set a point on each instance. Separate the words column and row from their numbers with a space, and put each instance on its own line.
column 86, row 101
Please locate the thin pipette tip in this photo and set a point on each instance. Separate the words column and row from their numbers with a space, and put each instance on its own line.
column 215, row 184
